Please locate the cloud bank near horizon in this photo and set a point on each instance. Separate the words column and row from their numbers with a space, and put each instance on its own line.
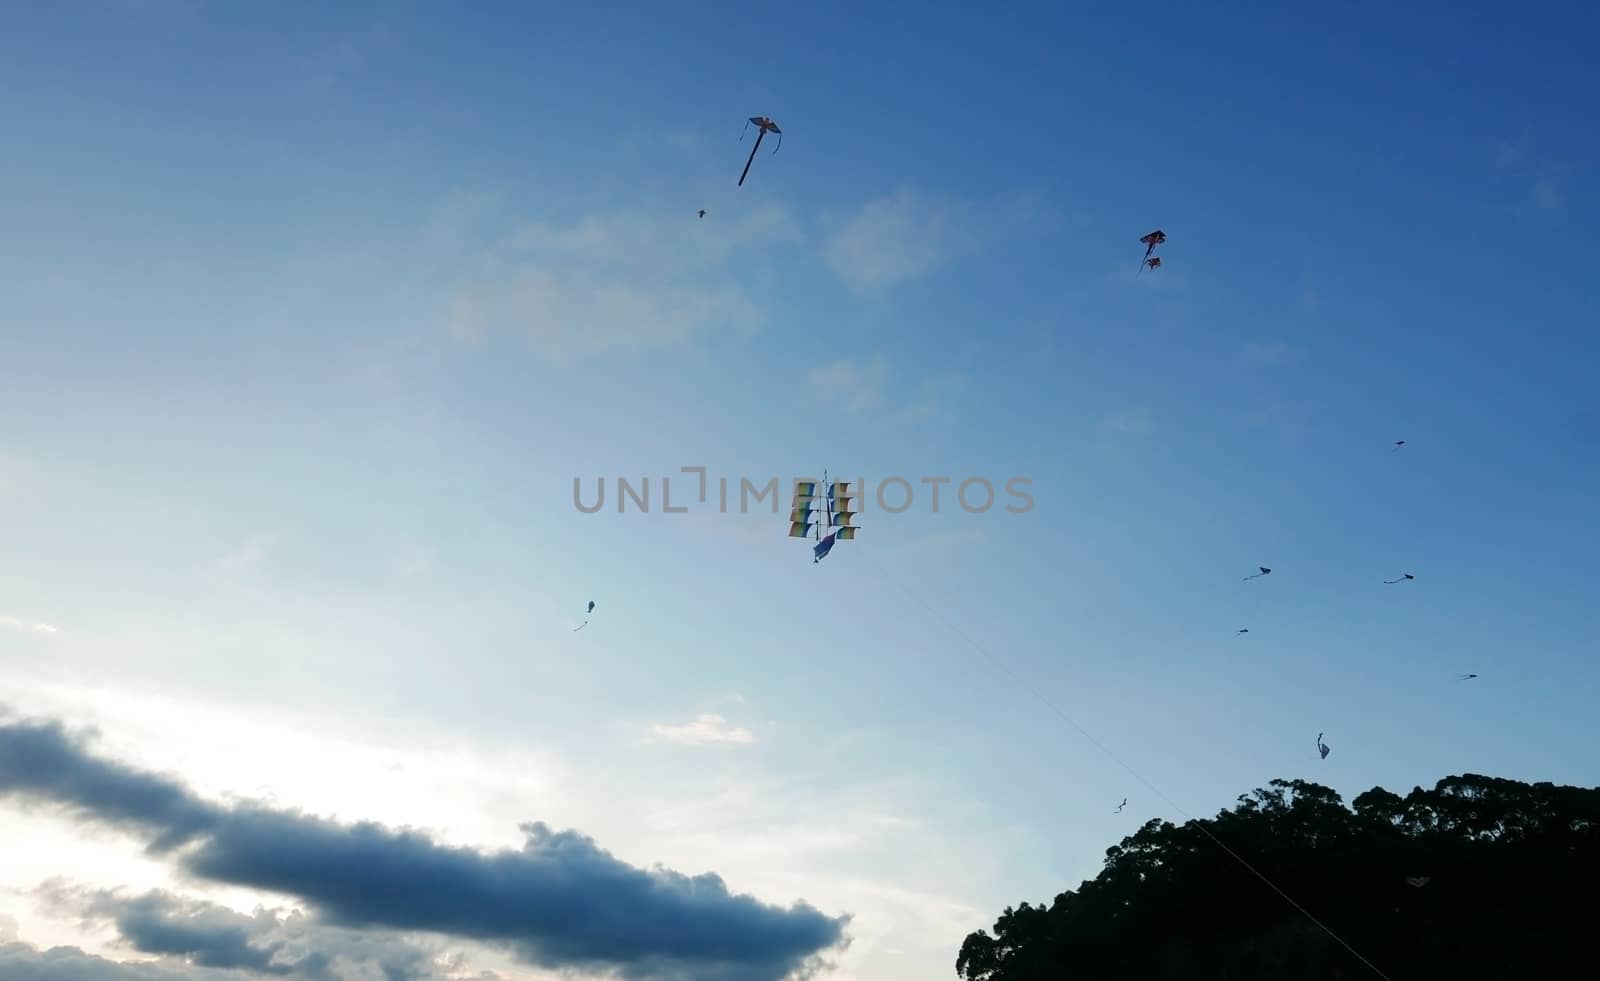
column 559, row 902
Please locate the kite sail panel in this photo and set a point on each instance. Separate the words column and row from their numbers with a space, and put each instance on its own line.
column 835, row 514
column 823, row 548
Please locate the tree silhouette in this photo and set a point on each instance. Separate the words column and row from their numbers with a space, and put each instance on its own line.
column 1510, row 892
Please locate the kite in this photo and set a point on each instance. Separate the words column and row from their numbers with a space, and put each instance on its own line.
column 1403, row 578
column 585, row 622
column 702, row 212
column 1418, row 881
column 1466, row 677
column 831, row 509
column 1244, row 630
column 1155, row 238
column 766, row 126
column 1322, row 747
column 1122, row 805
column 1397, row 444
column 1264, row 571
column 1154, row 262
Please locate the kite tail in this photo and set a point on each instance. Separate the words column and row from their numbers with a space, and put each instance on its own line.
column 580, row 626
column 780, row 144
column 752, row 159
column 744, row 131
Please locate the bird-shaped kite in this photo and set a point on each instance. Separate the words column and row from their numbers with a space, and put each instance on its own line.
column 1122, row 805
column 1154, row 262
column 1264, row 571
column 585, row 622
column 1150, row 241
column 1403, row 578
column 1321, row 746
column 766, row 126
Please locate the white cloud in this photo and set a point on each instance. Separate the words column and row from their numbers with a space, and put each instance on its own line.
column 858, row 385
column 246, row 557
column 641, row 242
column 449, row 229
column 463, row 793
column 582, row 313
column 31, row 626
column 900, row 237
column 933, row 398
column 1128, row 422
column 1274, row 352
column 1284, row 418
column 627, row 283
column 412, row 561
column 1547, row 195
column 852, row 384
column 19, row 479
column 705, row 730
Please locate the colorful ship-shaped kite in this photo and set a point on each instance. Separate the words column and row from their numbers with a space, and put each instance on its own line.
column 823, row 506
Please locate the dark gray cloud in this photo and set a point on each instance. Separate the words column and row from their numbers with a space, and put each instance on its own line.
column 269, row 942
column 209, row 936
column 39, row 760
column 559, row 902
column 22, row 962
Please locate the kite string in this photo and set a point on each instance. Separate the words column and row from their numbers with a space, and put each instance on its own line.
column 1119, row 761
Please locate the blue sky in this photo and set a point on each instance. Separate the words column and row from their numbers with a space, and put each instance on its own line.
column 312, row 317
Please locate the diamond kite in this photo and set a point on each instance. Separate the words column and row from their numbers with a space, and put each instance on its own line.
column 1155, row 238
